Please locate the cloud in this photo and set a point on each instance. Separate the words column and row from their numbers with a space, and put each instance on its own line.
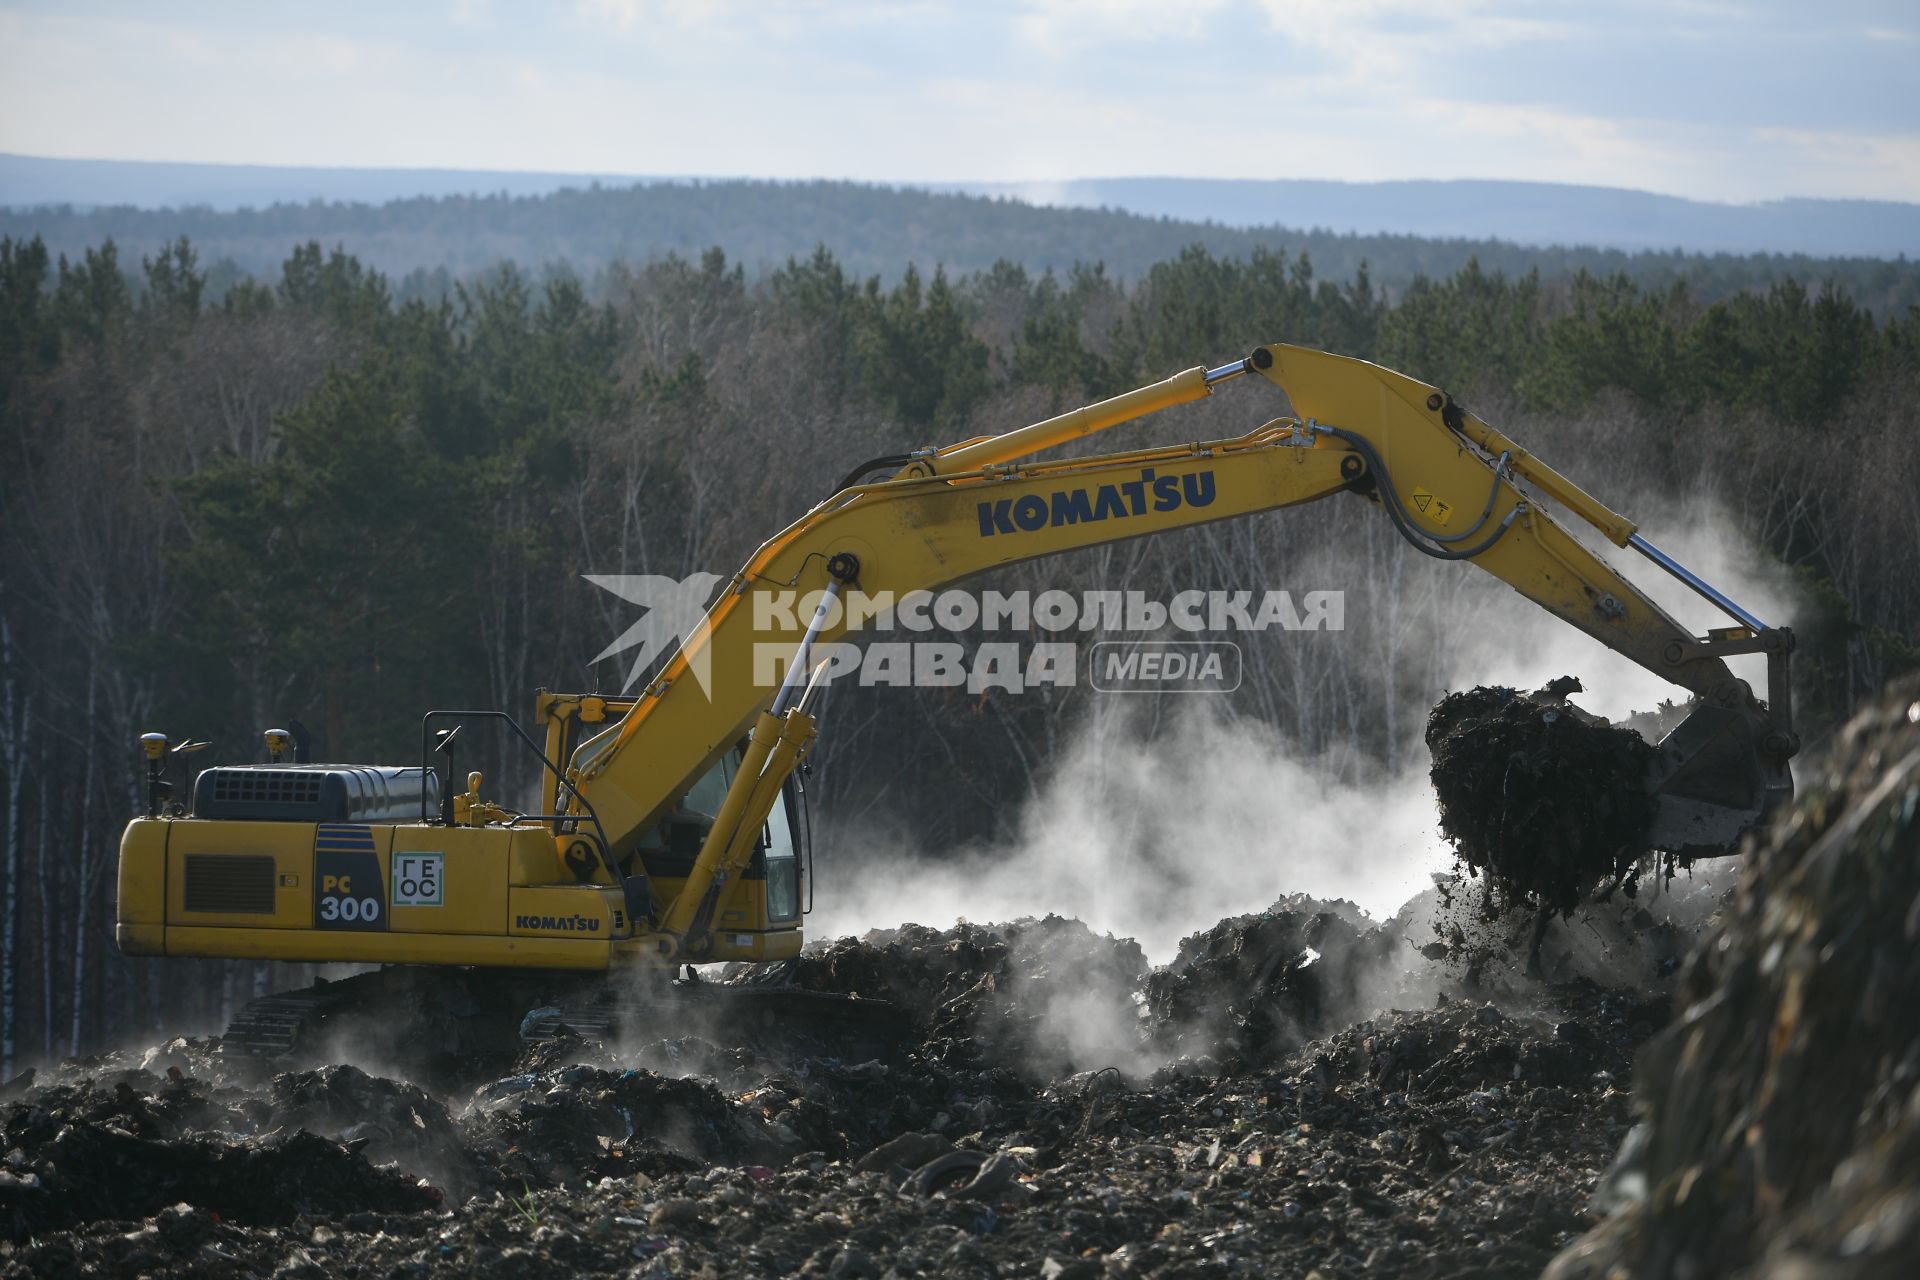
column 1681, row 99
column 1063, row 26
column 1861, row 164
column 1366, row 42
column 629, row 14
column 1552, row 144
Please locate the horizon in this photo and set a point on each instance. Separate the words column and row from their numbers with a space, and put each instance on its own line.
column 945, row 185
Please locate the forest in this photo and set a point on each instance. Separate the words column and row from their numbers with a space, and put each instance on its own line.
column 309, row 492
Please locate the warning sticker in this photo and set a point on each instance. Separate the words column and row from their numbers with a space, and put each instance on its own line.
column 1435, row 509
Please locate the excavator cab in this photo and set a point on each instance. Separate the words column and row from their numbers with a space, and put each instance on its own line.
column 767, row 895
column 667, row 852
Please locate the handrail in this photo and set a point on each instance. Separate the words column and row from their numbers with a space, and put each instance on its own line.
column 605, row 848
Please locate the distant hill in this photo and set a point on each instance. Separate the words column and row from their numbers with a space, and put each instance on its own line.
column 1532, row 213
column 426, row 241
column 1528, row 213
column 85, row 184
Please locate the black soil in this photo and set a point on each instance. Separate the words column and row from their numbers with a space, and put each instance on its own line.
column 1537, row 799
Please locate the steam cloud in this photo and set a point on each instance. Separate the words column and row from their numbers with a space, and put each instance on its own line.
column 1155, row 838
column 1525, row 648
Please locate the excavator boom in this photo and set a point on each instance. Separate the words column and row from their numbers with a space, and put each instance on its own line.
column 1446, row 480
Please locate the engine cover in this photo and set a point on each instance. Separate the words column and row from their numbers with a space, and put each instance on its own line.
column 317, row 793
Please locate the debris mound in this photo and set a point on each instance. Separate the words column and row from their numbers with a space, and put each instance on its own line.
column 1256, row 987
column 388, row 1120
column 1043, row 996
column 1780, row 1114
column 581, row 1121
column 1536, row 795
column 79, row 1154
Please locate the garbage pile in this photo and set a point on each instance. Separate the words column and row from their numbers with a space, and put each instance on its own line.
column 1061, row 1110
column 1458, row 1140
column 1255, row 987
column 1536, row 795
column 76, row 1153
column 1036, row 996
column 1780, row 1115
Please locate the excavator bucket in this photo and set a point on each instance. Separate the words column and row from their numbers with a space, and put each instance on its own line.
column 1712, row 782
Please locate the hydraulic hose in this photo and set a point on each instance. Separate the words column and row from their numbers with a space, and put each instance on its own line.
column 873, row 464
column 1486, row 512
column 1420, row 539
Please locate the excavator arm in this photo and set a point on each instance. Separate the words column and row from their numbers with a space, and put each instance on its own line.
column 1449, row 483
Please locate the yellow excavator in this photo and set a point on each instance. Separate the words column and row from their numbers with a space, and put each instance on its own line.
column 672, row 829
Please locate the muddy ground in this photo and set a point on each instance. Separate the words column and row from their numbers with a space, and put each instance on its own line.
column 1300, row 1090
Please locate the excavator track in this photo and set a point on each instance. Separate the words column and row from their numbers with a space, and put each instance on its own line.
column 422, row 1020
column 271, row 1026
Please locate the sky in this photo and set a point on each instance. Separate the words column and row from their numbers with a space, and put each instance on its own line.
column 1734, row 100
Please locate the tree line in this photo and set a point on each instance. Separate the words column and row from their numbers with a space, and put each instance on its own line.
column 315, row 498
column 426, row 244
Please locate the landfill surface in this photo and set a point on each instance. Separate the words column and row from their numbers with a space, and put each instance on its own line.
column 1703, row 1079
column 1059, row 1108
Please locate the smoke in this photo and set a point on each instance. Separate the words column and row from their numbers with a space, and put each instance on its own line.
column 1096, row 1026
column 1155, row 837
